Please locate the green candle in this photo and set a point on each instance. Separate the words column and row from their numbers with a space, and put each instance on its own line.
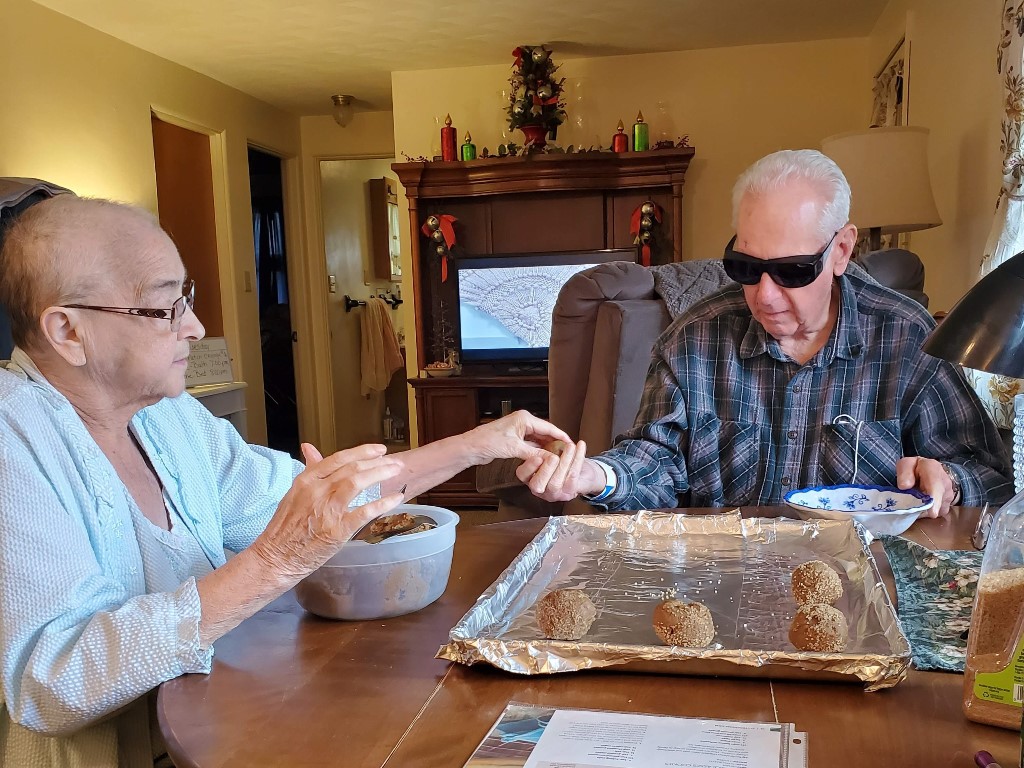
column 641, row 142
column 469, row 148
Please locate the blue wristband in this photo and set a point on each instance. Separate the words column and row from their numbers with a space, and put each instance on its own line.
column 609, row 475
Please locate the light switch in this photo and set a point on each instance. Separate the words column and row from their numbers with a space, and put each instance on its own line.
column 247, row 281
column 332, row 284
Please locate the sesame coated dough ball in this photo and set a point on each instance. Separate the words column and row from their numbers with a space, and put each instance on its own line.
column 555, row 446
column 565, row 614
column 816, row 582
column 686, row 624
column 819, row 628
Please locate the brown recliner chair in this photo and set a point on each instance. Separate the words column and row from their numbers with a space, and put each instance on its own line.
column 603, row 327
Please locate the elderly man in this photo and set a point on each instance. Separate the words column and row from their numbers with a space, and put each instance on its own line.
column 801, row 375
column 118, row 494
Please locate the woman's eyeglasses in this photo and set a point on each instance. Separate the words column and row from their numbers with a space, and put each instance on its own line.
column 787, row 272
column 174, row 314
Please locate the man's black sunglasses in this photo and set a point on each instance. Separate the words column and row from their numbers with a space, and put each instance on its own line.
column 787, row 272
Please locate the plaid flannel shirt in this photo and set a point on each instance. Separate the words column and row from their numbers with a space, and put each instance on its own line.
column 728, row 419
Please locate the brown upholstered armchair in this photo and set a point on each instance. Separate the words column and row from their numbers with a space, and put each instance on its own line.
column 603, row 327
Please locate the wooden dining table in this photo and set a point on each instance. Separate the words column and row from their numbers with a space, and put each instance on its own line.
column 290, row 689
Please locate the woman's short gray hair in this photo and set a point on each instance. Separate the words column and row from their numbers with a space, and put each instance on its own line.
column 776, row 170
column 60, row 250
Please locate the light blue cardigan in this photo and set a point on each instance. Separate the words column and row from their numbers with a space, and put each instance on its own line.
column 80, row 638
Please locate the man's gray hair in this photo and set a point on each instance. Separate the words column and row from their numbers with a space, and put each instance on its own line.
column 776, row 170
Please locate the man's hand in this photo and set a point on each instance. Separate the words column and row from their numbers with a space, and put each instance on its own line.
column 928, row 476
column 519, row 435
column 561, row 472
column 313, row 519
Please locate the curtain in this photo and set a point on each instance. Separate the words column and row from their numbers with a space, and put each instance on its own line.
column 1006, row 238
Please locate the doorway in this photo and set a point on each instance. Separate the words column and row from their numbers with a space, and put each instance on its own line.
column 276, row 335
column 349, row 244
column 185, row 205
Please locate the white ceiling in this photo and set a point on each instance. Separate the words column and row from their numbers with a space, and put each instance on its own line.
column 296, row 54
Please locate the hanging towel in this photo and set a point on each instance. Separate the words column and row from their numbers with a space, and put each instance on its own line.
column 380, row 355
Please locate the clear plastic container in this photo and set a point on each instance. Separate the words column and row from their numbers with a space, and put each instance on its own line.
column 375, row 581
column 994, row 670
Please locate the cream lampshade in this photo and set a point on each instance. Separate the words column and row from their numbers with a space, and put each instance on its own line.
column 888, row 173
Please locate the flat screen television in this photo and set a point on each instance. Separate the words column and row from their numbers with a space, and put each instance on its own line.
column 505, row 301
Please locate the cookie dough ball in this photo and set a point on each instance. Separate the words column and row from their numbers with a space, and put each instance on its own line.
column 555, row 446
column 565, row 614
column 816, row 582
column 687, row 624
column 819, row 628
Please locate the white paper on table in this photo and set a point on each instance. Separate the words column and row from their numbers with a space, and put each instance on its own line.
column 590, row 739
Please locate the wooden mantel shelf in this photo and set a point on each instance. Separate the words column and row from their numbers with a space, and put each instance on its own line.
column 555, row 172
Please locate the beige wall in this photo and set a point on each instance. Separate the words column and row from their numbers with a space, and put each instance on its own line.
column 956, row 93
column 736, row 104
column 370, row 135
column 347, row 239
column 76, row 111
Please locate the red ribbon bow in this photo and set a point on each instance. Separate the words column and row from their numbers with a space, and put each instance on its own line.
column 446, row 225
column 634, row 230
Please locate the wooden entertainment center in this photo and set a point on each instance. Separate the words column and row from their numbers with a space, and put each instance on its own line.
column 541, row 203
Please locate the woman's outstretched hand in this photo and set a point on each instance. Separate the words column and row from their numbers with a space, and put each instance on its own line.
column 313, row 519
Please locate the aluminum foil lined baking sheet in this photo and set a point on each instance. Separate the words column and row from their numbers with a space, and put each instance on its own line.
column 739, row 568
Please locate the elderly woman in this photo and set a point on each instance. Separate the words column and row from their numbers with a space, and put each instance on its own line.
column 119, row 494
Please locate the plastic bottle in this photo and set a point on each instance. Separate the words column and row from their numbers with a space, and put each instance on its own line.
column 994, row 669
column 389, row 425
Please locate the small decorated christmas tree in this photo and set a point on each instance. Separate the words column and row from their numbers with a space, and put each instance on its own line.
column 535, row 96
column 442, row 342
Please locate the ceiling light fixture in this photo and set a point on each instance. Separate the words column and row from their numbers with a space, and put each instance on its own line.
column 343, row 109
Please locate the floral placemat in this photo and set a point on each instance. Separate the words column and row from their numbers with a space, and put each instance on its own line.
column 935, row 593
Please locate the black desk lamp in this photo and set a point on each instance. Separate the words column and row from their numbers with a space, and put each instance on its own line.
column 985, row 330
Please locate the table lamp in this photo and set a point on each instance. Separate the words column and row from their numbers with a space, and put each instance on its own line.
column 985, row 330
column 887, row 169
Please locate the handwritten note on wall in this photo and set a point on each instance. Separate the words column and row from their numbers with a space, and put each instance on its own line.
column 208, row 363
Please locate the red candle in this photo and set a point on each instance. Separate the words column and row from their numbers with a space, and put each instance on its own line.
column 620, row 141
column 448, row 140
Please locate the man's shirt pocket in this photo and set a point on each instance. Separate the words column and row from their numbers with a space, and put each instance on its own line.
column 726, row 462
column 880, row 447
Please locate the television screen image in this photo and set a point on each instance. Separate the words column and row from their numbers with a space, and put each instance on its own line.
column 505, row 304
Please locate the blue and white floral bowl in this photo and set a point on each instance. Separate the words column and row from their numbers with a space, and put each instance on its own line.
column 883, row 511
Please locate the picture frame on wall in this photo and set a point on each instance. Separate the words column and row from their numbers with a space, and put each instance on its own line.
column 891, row 88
